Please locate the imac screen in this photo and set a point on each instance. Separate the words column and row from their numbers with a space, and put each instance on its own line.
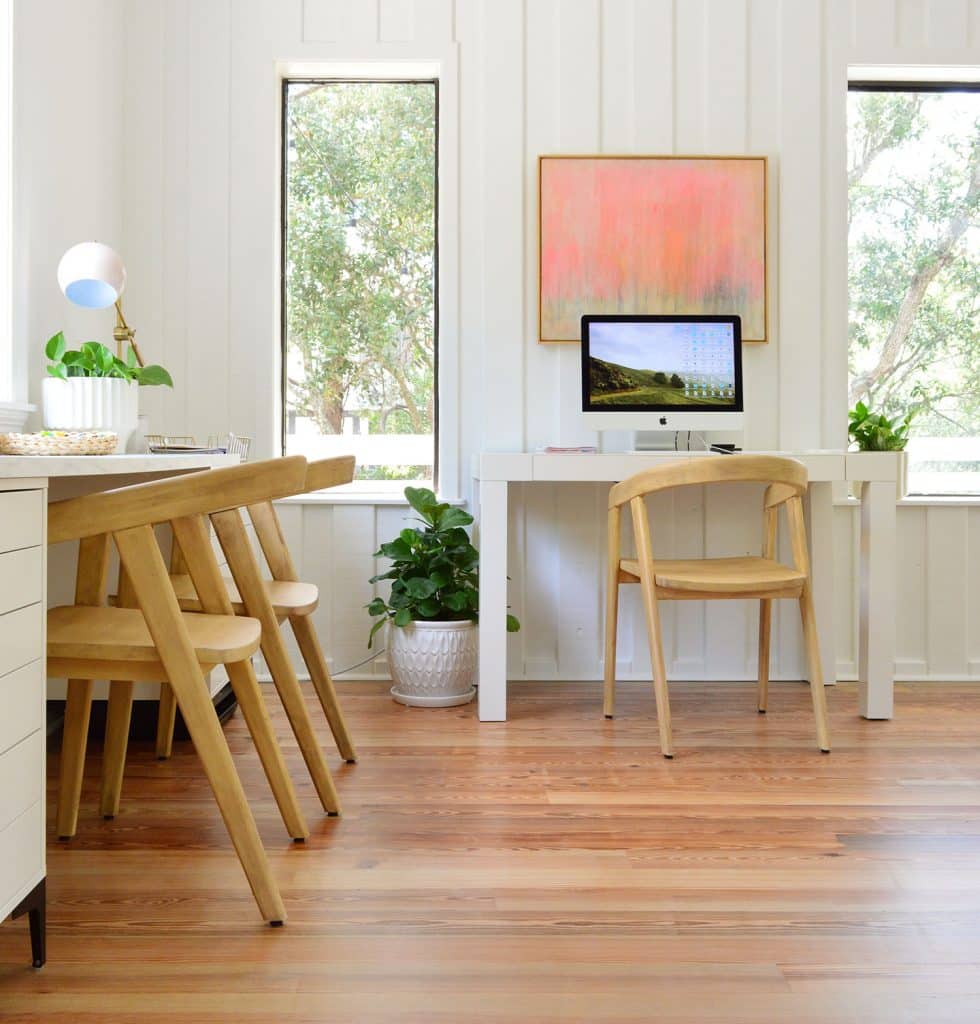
column 661, row 364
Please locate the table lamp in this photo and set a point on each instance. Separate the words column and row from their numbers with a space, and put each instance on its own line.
column 92, row 275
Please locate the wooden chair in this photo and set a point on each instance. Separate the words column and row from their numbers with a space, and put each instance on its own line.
column 147, row 637
column 761, row 578
column 284, row 598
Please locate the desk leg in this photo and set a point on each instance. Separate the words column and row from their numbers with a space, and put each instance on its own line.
column 820, row 525
column 493, row 601
column 876, row 659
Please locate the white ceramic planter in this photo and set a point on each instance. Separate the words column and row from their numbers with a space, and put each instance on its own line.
column 92, row 403
column 433, row 664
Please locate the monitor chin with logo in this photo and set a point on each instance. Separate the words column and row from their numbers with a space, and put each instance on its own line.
column 657, row 375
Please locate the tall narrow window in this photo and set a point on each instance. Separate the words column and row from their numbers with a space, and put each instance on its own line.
column 914, row 271
column 360, row 302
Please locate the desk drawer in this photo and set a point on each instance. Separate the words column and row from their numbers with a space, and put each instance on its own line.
column 21, row 857
column 21, row 519
column 21, row 635
column 21, row 770
column 21, row 578
column 22, row 695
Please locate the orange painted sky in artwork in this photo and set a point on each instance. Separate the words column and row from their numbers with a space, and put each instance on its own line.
column 651, row 236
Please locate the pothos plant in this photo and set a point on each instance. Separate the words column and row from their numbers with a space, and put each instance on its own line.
column 876, row 432
column 94, row 359
column 434, row 568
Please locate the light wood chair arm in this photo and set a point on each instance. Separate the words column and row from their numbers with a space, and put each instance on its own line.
column 786, row 473
column 194, row 494
column 326, row 473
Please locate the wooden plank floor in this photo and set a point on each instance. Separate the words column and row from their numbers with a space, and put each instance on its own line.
column 553, row 868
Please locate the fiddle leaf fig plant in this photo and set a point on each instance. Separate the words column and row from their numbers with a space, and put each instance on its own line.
column 876, row 432
column 94, row 359
column 434, row 568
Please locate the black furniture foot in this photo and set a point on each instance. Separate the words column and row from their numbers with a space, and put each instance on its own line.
column 34, row 904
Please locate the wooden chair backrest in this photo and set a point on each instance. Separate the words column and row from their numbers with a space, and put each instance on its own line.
column 786, row 477
column 326, row 473
column 158, row 501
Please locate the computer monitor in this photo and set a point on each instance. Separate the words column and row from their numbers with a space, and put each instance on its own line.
column 662, row 373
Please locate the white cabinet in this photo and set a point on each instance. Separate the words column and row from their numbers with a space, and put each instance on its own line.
column 22, row 696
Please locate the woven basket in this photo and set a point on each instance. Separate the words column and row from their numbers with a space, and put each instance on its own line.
column 60, row 442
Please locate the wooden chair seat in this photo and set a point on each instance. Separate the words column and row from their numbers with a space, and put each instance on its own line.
column 286, row 597
column 749, row 576
column 121, row 634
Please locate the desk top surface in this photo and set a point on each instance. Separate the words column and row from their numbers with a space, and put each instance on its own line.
column 823, row 465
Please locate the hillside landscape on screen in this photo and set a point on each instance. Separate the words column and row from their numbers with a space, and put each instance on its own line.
column 661, row 364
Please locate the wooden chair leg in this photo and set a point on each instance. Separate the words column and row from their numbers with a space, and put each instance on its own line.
column 309, row 646
column 241, row 560
column 256, row 714
column 765, row 629
column 612, row 612
column 118, row 717
column 648, row 586
column 90, row 579
column 813, row 664
column 801, row 559
column 192, row 533
column 143, row 561
column 166, row 722
column 78, row 709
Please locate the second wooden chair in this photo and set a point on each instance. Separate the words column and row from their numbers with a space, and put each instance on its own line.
column 758, row 577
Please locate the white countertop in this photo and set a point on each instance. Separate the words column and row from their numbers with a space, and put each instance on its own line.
column 47, row 466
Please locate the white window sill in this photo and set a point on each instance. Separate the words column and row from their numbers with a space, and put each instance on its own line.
column 343, row 496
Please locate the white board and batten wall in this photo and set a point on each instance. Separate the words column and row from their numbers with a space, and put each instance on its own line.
column 199, row 207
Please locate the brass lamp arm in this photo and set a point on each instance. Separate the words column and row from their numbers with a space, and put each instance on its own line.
column 124, row 334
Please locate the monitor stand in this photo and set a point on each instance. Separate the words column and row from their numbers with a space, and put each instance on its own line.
column 665, row 441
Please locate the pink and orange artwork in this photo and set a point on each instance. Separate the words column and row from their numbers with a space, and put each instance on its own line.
column 651, row 235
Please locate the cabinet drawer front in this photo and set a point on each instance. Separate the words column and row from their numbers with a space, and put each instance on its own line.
column 21, row 858
column 21, row 578
column 21, row 519
column 21, row 771
column 20, row 637
column 22, row 701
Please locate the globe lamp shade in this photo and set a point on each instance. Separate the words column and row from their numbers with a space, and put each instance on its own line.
column 92, row 275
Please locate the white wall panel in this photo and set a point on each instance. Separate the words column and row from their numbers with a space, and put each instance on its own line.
column 536, row 76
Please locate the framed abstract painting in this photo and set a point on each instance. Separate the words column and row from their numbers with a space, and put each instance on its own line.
column 651, row 234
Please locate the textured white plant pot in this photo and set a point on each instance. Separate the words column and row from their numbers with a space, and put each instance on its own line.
column 432, row 664
column 92, row 403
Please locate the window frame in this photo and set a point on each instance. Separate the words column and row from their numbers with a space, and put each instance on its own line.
column 904, row 84
column 286, row 81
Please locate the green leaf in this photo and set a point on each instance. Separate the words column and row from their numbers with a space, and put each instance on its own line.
column 403, row 617
column 55, row 348
column 420, row 587
column 58, row 370
column 377, row 607
column 422, row 500
column 374, row 629
column 513, row 626
column 453, row 517
column 429, row 608
column 457, row 601
column 396, row 549
column 153, row 376
column 131, row 357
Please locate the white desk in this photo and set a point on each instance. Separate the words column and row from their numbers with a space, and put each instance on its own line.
column 877, row 471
